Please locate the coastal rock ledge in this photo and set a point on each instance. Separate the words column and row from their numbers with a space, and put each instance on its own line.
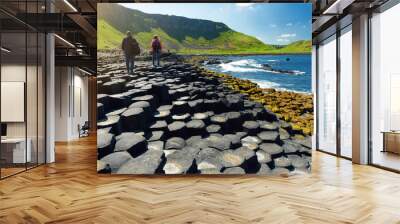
column 176, row 119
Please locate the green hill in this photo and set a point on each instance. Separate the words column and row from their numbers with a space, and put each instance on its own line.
column 178, row 34
column 301, row 46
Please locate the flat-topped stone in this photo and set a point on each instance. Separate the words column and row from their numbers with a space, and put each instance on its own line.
column 116, row 160
column 271, row 148
column 175, row 143
column 147, row 163
column 268, row 136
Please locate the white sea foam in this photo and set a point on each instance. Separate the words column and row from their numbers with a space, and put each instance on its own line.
column 250, row 65
column 246, row 65
column 267, row 84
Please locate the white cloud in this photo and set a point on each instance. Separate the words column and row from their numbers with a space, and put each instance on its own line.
column 244, row 4
column 289, row 24
column 272, row 25
column 287, row 35
column 282, row 40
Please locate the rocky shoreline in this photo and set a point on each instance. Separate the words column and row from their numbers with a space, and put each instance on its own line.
column 182, row 119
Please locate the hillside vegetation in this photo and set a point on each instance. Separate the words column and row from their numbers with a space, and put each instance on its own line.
column 181, row 35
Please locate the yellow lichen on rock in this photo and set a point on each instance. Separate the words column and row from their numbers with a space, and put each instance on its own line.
column 296, row 108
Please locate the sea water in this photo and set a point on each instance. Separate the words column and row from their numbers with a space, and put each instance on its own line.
column 288, row 72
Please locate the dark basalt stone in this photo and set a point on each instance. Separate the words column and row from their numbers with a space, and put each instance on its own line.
column 209, row 158
column 180, row 107
column 156, row 136
column 148, row 98
column 100, row 112
column 133, row 119
column 195, row 127
column 219, row 142
column 269, row 136
column 133, row 143
column 251, row 127
column 214, row 128
column 105, row 144
column 147, row 163
column 182, row 161
column 116, row 159
column 112, row 122
column 177, row 128
column 159, row 126
column 175, row 143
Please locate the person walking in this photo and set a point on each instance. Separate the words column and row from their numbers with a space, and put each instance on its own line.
column 131, row 48
column 156, row 50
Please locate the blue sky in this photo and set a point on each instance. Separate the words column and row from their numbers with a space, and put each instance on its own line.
column 273, row 23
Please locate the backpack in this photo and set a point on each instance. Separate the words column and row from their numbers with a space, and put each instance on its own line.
column 156, row 45
column 135, row 48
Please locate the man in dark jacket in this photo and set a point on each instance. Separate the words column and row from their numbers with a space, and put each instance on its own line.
column 131, row 48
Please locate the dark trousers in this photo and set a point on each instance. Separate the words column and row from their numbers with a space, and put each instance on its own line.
column 156, row 58
column 130, row 62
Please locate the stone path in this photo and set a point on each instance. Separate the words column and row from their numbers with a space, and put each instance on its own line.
column 175, row 120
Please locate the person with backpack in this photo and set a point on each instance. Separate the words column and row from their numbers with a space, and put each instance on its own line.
column 131, row 48
column 156, row 50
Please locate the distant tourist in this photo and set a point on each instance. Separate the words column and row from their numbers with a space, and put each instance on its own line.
column 156, row 50
column 131, row 48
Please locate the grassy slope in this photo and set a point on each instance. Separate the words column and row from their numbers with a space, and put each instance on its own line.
column 229, row 42
column 109, row 37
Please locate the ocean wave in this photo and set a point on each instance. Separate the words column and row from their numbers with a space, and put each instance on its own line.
column 273, row 85
column 250, row 65
column 245, row 65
